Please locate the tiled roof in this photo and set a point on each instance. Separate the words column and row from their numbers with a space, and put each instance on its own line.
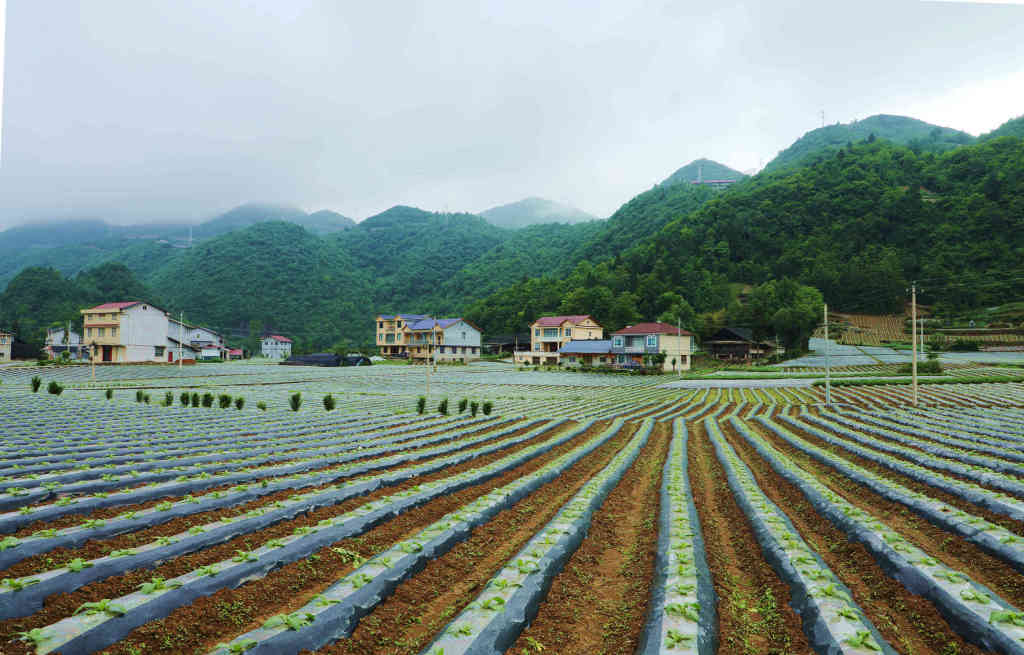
column 653, row 328
column 553, row 321
column 587, row 347
column 278, row 337
column 408, row 317
column 114, row 305
column 427, row 323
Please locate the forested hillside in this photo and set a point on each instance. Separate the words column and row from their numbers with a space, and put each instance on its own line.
column 534, row 211
column 918, row 135
column 705, row 169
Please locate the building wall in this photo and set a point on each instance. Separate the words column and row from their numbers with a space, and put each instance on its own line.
column 6, row 341
column 144, row 334
column 462, row 334
column 546, row 339
column 276, row 349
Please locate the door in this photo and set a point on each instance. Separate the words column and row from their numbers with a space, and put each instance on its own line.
column 107, row 353
column 170, row 355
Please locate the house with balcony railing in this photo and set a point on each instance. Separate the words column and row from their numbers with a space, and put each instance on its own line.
column 548, row 334
column 643, row 344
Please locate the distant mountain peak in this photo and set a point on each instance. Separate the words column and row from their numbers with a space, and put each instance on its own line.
column 702, row 171
column 534, row 211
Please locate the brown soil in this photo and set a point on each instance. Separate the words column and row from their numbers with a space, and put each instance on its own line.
column 279, row 583
column 1012, row 525
column 953, row 550
column 754, row 614
column 406, row 622
column 909, row 623
column 598, row 603
column 98, row 547
column 70, row 520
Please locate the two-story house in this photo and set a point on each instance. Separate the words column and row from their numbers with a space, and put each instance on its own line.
column 6, row 341
column 391, row 333
column 196, row 342
column 275, row 346
column 442, row 340
column 61, row 340
column 125, row 332
column 549, row 334
column 631, row 344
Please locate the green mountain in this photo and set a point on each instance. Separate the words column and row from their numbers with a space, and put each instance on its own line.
column 534, row 211
column 918, row 135
column 1014, row 127
column 702, row 169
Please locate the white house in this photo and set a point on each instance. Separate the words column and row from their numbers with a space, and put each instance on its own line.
column 60, row 340
column 197, row 342
column 275, row 346
column 461, row 341
column 126, row 332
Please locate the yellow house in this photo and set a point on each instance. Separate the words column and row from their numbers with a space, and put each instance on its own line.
column 6, row 340
column 392, row 338
column 125, row 332
column 549, row 333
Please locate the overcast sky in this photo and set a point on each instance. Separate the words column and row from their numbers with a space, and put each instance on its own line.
column 134, row 111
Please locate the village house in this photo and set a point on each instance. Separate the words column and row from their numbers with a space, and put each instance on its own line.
column 60, row 340
column 6, row 341
column 644, row 344
column 549, row 334
column 275, row 346
column 737, row 344
column 195, row 342
column 591, row 353
column 124, row 332
column 391, row 335
column 442, row 340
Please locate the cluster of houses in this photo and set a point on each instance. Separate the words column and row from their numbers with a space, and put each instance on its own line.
column 420, row 338
column 137, row 331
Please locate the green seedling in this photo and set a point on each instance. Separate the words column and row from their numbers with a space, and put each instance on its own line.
column 158, row 584
column 689, row 611
column 105, row 606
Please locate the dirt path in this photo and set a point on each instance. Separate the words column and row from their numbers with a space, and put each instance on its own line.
column 598, row 604
column 408, row 621
column 754, row 614
column 278, row 587
column 909, row 623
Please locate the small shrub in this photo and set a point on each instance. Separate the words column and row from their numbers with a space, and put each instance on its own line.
column 184, row 398
column 442, row 408
column 421, row 404
column 262, row 406
column 138, row 395
column 195, row 399
column 295, row 401
column 239, row 403
column 146, row 398
column 36, row 383
column 462, row 405
column 474, row 407
column 207, row 399
column 54, row 388
column 488, row 406
column 329, row 402
column 109, row 393
column 168, row 399
column 224, row 400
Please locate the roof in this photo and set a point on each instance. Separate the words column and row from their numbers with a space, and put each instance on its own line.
column 408, row 317
column 114, row 305
column 278, row 337
column 587, row 347
column 427, row 323
column 734, row 334
column 235, row 351
column 653, row 328
column 553, row 321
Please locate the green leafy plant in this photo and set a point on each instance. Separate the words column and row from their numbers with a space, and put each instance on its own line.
column 158, row 584
column 442, row 407
column 421, row 404
column 329, row 402
column 195, row 399
column 291, row 621
column 487, row 407
column 9, row 542
column 184, row 399
column 462, row 405
column 109, row 393
column 224, row 400
column 36, row 635
column 474, row 407
column 138, row 395
column 36, row 383
column 237, row 647
column 207, row 399
column 239, row 403
column 55, row 388
column 17, row 584
column 105, row 606
column 674, row 639
column 78, row 564
column 295, row 401
column 262, row 406
column 690, row 611
column 862, row 640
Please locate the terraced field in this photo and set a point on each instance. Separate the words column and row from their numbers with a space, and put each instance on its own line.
column 585, row 514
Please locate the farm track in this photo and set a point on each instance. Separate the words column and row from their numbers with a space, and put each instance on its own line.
column 598, row 604
column 406, row 622
column 61, row 605
column 754, row 614
column 70, row 520
column 949, row 548
column 910, row 623
column 881, row 471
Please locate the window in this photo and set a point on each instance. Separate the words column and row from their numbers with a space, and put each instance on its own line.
column 113, row 332
column 652, row 341
column 88, row 332
column 381, row 325
column 622, row 359
column 568, row 332
column 617, row 342
column 101, row 331
column 536, row 332
column 463, row 334
column 550, row 332
column 158, row 351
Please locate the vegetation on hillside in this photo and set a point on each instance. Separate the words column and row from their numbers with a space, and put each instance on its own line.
column 709, row 169
column 534, row 211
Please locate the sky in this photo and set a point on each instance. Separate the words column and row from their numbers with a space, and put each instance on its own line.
column 135, row 111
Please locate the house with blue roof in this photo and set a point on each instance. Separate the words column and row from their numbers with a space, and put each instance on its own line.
column 424, row 339
column 587, row 352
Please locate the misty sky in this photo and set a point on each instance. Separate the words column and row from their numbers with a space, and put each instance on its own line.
column 134, row 111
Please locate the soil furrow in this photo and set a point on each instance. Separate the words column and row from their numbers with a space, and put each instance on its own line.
column 754, row 614
column 911, row 624
column 406, row 622
column 60, row 605
column 598, row 604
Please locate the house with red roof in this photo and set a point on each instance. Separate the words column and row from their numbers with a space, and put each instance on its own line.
column 125, row 332
column 548, row 334
column 652, row 344
column 275, row 346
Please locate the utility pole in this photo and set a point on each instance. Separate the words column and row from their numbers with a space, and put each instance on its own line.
column 428, row 369
column 828, row 363
column 914, row 337
column 181, row 332
column 679, row 340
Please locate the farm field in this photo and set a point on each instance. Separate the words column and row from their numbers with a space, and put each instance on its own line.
column 583, row 514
